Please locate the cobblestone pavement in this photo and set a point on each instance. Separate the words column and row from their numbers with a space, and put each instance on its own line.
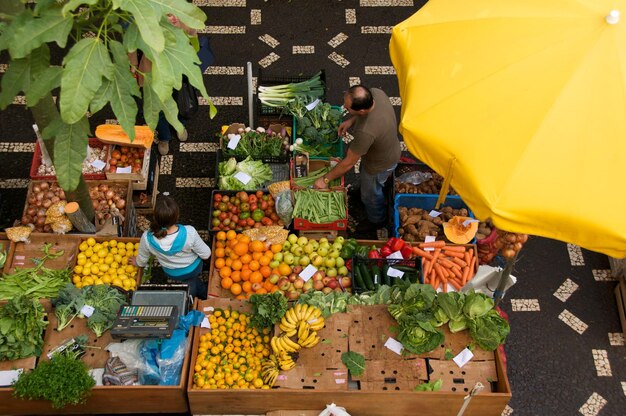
column 565, row 354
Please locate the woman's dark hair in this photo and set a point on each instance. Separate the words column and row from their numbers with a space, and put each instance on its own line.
column 361, row 98
column 166, row 212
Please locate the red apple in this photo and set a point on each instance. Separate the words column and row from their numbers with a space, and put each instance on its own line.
column 298, row 283
column 346, row 282
column 318, row 285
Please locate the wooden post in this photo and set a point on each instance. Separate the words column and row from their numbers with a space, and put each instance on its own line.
column 78, row 218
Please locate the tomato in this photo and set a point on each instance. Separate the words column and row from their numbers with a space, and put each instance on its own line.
column 257, row 215
column 266, row 221
column 225, row 198
column 222, row 216
column 234, row 218
column 216, row 222
column 234, row 210
column 217, row 197
column 241, row 223
column 116, row 154
column 253, row 207
column 222, row 206
column 216, row 213
column 113, row 162
column 264, row 205
column 244, row 207
column 244, row 215
column 259, row 194
column 250, row 221
column 252, row 199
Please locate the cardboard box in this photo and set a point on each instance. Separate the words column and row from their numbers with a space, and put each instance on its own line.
column 21, row 254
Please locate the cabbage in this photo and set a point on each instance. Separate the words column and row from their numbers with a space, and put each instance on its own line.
column 452, row 304
column 477, row 305
column 458, row 324
column 439, row 317
column 419, row 337
column 489, row 330
column 259, row 172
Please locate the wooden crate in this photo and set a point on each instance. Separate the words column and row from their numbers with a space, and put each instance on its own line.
column 139, row 179
column 374, row 401
column 103, row 399
column 21, row 254
column 620, row 297
column 147, row 209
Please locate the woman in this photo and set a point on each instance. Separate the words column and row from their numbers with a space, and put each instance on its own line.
column 178, row 248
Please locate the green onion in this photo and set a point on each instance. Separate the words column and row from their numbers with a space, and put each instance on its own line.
column 281, row 95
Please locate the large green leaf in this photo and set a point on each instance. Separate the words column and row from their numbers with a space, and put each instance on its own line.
column 124, row 87
column 50, row 26
column 102, row 96
column 70, row 150
column 188, row 13
column 151, row 103
column 44, row 4
column 147, row 15
column 8, row 31
column 72, row 5
column 39, row 61
column 45, row 82
column 15, row 79
column 85, row 65
column 170, row 110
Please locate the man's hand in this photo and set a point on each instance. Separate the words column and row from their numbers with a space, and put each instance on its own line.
column 345, row 126
column 320, row 184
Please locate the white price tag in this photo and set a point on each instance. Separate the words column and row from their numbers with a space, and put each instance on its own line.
column 313, row 104
column 127, row 169
column 429, row 239
column 87, row 310
column 467, row 222
column 434, row 213
column 243, row 177
column 7, row 377
column 394, row 272
column 233, row 141
column 463, row 357
column 395, row 255
column 98, row 164
column 394, row 345
column 308, row 272
column 205, row 323
column 208, row 309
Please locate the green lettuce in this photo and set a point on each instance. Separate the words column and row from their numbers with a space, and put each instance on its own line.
column 476, row 305
column 489, row 330
column 419, row 337
column 259, row 172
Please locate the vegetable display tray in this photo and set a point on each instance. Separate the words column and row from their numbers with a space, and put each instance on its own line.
column 342, row 224
column 280, row 170
column 336, row 149
column 211, row 208
column 384, row 271
column 34, row 167
column 424, row 201
column 266, row 80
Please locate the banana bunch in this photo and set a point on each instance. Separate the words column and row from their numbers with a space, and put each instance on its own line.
column 287, row 361
column 291, row 321
column 282, row 343
column 270, row 371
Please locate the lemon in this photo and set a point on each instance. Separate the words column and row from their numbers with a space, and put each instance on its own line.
column 81, row 256
column 98, row 282
column 127, row 284
column 113, row 250
column 118, row 258
column 124, row 261
column 129, row 269
column 76, row 279
column 122, row 276
column 103, row 267
column 89, row 252
column 115, row 265
column 107, row 279
column 78, row 285
column 108, row 259
column 121, row 251
column 86, row 271
column 105, row 244
column 136, row 253
column 137, row 246
column 112, row 243
column 117, row 282
column 97, row 247
column 78, row 269
column 83, row 246
column 95, row 269
column 130, row 246
column 102, row 253
column 88, row 280
column 94, row 258
column 81, row 262
column 91, row 241
column 121, row 244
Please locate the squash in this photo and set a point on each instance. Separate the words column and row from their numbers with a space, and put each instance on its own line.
column 114, row 134
column 458, row 233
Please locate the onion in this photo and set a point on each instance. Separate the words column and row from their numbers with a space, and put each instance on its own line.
column 115, row 198
column 49, row 195
column 499, row 243
column 39, row 203
column 41, row 221
column 94, row 204
column 39, row 196
column 110, row 194
column 99, row 215
column 511, row 238
column 31, row 211
column 41, row 212
column 32, row 200
column 27, row 219
column 47, row 228
column 121, row 203
column 104, row 188
column 61, row 194
column 508, row 253
column 522, row 238
column 44, row 186
column 55, row 199
column 517, row 246
column 46, row 203
column 36, row 189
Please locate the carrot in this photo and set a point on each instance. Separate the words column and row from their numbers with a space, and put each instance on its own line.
column 459, row 262
column 421, row 253
column 441, row 272
column 472, row 266
column 445, row 262
column 468, row 257
column 436, row 254
column 457, row 272
column 433, row 244
column 455, row 283
column 434, row 283
column 445, row 287
column 426, row 266
column 465, row 277
column 458, row 249
column 454, row 254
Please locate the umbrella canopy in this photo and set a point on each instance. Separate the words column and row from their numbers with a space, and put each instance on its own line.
column 528, row 99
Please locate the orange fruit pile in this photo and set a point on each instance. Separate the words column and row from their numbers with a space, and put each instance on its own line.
column 243, row 264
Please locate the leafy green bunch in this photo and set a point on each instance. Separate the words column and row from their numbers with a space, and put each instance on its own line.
column 267, row 309
column 96, row 37
column 257, row 144
column 22, row 322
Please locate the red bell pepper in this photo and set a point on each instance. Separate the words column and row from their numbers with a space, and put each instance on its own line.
column 407, row 251
column 349, row 264
column 385, row 251
column 373, row 254
column 397, row 245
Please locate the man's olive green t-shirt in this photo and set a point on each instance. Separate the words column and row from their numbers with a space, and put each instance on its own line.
column 376, row 136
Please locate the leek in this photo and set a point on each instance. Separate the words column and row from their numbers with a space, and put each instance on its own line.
column 281, row 95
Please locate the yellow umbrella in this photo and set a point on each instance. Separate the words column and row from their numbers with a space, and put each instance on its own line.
column 527, row 99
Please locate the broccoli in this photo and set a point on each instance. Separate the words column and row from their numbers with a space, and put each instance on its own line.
column 98, row 323
column 67, row 305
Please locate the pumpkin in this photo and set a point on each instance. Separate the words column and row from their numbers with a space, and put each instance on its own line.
column 114, row 134
column 457, row 232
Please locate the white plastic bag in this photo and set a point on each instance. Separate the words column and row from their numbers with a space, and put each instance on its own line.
column 486, row 280
column 334, row 410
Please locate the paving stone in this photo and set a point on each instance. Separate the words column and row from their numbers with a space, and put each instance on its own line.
column 566, row 290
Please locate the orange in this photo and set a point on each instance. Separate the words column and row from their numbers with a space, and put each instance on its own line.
column 240, row 249
column 236, row 276
column 264, row 261
column 219, row 263
column 231, row 234
column 246, row 258
column 243, row 238
column 284, row 269
column 235, row 289
column 254, row 265
column 256, row 277
column 257, row 246
column 225, row 272
column 276, row 248
column 219, row 252
column 247, row 287
column 265, row 271
column 257, row 255
column 227, row 282
column 274, row 289
column 240, row 297
column 268, row 285
column 229, row 262
column 261, row 291
column 237, row 264
column 220, row 236
column 245, row 274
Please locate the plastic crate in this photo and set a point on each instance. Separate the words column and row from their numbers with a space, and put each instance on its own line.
column 314, row 164
column 342, row 224
column 336, row 150
column 284, row 158
column 34, row 167
column 403, row 168
column 266, row 80
column 424, row 201
column 280, row 170
column 414, row 264
column 212, row 209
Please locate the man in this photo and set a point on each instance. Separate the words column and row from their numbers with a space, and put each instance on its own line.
column 374, row 128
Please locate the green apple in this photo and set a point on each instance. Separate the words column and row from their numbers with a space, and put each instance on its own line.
column 274, row 264
column 308, row 248
column 330, row 262
column 302, row 241
column 278, row 256
column 274, row 278
column 331, row 272
column 322, row 251
column 339, row 240
column 342, row 271
column 323, row 240
column 288, row 258
column 292, row 238
column 315, row 244
column 304, row 261
column 286, row 246
column 296, row 260
column 340, row 261
column 334, row 253
column 297, row 250
column 337, row 246
column 318, row 261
